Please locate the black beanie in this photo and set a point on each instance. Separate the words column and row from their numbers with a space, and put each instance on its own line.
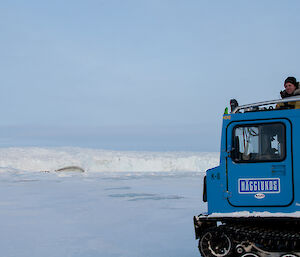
column 291, row 80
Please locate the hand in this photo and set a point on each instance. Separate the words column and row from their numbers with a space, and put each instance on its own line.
column 284, row 94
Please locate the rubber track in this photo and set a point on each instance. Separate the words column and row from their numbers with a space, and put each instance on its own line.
column 266, row 238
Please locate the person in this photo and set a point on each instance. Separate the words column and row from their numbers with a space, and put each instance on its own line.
column 291, row 87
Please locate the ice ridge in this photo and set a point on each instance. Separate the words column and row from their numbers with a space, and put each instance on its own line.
column 95, row 160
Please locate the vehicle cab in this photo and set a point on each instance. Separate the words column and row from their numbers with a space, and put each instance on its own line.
column 259, row 160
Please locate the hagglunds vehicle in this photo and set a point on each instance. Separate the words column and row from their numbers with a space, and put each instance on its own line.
column 253, row 196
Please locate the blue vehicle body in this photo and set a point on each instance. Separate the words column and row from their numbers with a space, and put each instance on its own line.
column 243, row 186
column 253, row 196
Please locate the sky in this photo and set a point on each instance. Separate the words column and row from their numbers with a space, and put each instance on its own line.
column 136, row 74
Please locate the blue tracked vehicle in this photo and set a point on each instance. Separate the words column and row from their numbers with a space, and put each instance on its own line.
column 253, row 196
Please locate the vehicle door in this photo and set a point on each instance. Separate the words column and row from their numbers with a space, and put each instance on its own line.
column 259, row 166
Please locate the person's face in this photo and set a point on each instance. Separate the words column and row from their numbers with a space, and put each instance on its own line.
column 289, row 88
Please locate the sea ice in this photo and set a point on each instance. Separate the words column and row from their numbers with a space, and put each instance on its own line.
column 99, row 214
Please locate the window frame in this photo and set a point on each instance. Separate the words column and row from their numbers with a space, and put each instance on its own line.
column 236, row 160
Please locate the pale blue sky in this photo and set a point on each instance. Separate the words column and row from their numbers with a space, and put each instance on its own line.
column 138, row 74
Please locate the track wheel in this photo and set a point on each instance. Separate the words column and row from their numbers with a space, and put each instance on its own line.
column 215, row 242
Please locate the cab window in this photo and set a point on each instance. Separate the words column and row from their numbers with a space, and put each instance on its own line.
column 259, row 142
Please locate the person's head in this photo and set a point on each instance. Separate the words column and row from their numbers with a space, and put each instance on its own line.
column 290, row 85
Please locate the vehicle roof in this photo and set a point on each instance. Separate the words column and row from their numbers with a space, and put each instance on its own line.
column 265, row 105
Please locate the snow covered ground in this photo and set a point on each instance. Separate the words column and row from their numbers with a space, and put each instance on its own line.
column 128, row 204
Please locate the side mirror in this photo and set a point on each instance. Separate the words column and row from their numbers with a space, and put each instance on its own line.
column 234, row 153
